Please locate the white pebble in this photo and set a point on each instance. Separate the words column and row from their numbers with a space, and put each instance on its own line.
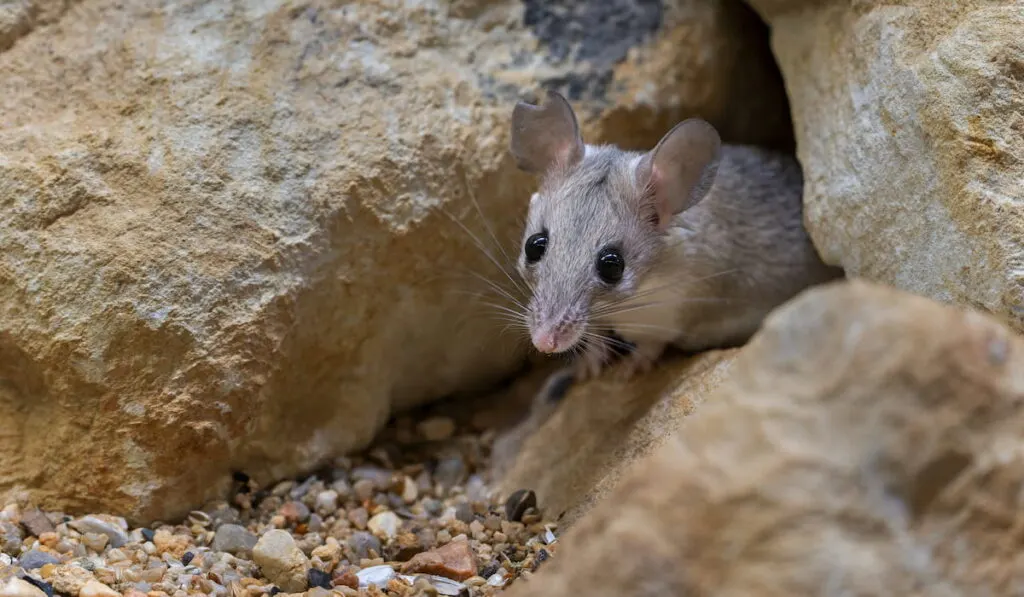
column 385, row 524
column 94, row 588
column 375, row 575
column 15, row 587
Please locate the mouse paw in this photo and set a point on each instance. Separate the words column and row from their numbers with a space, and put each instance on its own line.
column 590, row 364
column 638, row 362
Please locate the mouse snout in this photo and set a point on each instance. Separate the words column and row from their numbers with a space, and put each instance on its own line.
column 554, row 339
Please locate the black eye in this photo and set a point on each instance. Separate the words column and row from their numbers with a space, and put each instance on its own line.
column 610, row 265
column 535, row 246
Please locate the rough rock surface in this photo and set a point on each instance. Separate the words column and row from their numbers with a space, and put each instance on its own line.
column 909, row 119
column 867, row 441
column 573, row 450
column 221, row 233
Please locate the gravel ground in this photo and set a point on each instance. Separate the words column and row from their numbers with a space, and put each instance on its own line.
column 411, row 516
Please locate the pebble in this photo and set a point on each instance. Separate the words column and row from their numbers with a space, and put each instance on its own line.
column 464, row 512
column 36, row 523
column 10, row 537
column 363, row 489
column 518, row 503
column 362, row 542
column 34, row 558
column 233, row 539
column 454, row 560
column 69, row 579
column 410, row 491
column 95, row 588
column 115, row 531
column 327, row 501
column 385, row 524
column 95, row 541
column 281, row 561
column 450, row 472
column 359, row 517
column 436, row 428
column 15, row 587
column 345, row 577
column 295, row 512
column 377, row 576
column 319, row 578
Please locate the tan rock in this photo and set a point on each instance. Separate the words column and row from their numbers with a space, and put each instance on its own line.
column 909, row 119
column 70, row 579
column 97, row 589
column 454, row 560
column 573, row 451
column 16, row 587
column 867, row 440
column 224, row 249
column 281, row 561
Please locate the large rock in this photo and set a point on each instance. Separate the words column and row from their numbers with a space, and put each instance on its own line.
column 909, row 119
column 866, row 442
column 221, row 233
column 573, row 448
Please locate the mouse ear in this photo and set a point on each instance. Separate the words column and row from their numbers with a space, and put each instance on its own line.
column 543, row 136
column 681, row 168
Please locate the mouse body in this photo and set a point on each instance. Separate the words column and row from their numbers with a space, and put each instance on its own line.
column 690, row 244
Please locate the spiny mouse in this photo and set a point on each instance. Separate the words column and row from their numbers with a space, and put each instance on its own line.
column 689, row 244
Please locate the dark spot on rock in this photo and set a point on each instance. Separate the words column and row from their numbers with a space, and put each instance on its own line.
column 187, row 558
column 518, row 503
column 274, row 591
column 319, row 578
column 600, row 32
column 543, row 555
column 240, row 477
column 577, row 86
column 148, row 534
column 40, row 584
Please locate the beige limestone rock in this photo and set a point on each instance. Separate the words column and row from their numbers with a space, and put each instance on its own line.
column 909, row 118
column 573, row 451
column 866, row 442
column 222, row 232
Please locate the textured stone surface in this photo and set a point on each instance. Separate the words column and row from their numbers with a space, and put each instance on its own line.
column 867, row 440
column 221, row 233
column 909, row 119
column 572, row 451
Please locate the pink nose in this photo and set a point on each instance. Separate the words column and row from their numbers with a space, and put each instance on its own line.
column 546, row 341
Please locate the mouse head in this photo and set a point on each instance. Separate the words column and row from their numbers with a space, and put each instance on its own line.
column 596, row 223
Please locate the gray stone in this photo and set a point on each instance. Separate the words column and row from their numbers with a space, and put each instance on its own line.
column 233, row 539
column 32, row 559
column 362, row 542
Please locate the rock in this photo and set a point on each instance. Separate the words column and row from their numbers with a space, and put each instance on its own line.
column 450, row 471
column 436, row 428
column 363, row 489
column 454, row 560
column 362, row 542
column 10, row 537
column 359, row 517
column 518, row 503
column 36, row 523
column 908, row 124
column 15, row 587
column 295, row 512
column 571, row 455
column 233, row 539
column 410, row 492
column 385, row 524
column 345, row 577
column 97, row 589
column 69, row 579
column 196, row 229
column 862, row 427
column 171, row 543
column 34, row 558
column 376, row 576
column 327, row 501
column 281, row 561
column 95, row 541
column 319, row 578
column 464, row 512
column 115, row 529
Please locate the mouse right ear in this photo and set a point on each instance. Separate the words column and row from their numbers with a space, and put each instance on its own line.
column 543, row 136
column 681, row 168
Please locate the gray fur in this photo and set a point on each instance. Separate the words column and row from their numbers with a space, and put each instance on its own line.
column 721, row 265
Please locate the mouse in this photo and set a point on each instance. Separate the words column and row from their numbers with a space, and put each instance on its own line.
column 687, row 245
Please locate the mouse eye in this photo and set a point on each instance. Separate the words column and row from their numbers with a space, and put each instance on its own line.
column 610, row 265
column 535, row 246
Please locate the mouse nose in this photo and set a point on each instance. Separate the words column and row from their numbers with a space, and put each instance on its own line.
column 546, row 342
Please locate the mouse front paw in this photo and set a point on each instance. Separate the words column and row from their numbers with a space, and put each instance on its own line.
column 590, row 364
column 639, row 362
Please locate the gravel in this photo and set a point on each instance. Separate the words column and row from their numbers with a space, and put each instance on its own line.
column 411, row 516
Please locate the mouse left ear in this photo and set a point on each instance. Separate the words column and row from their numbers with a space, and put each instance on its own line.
column 543, row 136
column 681, row 168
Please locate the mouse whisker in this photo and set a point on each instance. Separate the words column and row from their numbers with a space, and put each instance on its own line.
column 487, row 253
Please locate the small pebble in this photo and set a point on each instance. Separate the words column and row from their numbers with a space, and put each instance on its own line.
column 95, row 588
column 454, row 560
column 345, row 577
column 327, row 501
column 385, row 524
column 518, row 503
column 436, row 428
column 233, row 539
column 33, row 559
column 282, row 561
column 363, row 489
column 36, row 523
column 362, row 542
column 16, row 587
column 377, row 576
column 295, row 512
column 114, row 529
column 318, row 578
